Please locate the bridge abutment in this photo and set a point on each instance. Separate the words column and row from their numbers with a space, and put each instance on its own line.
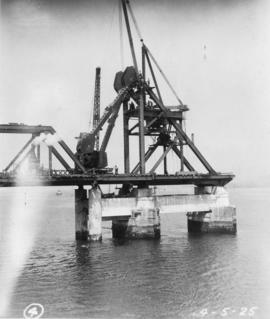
column 88, row 214
column 144, row 221
column 219, row 218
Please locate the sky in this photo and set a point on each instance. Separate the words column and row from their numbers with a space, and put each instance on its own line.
column 215, row 53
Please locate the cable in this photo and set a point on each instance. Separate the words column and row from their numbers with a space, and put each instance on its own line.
column 134, row 20
column 163, row 75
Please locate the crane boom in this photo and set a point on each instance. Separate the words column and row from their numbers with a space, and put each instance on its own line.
column 96, row 112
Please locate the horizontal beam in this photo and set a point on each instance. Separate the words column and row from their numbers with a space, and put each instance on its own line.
column 16, row 128
column 155, row 113
column 85, row 179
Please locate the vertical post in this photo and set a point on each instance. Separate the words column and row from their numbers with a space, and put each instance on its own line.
column 141, row 133
column 182, row 155
column 143, row 62
column 95, row 214
column 181, row 150
column 50, row 159
column 141, row 117
column 81, row 214
column 126, row 139
column 165, row 161
column 130, row 36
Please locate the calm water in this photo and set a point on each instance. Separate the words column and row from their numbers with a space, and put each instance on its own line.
column 176, row 277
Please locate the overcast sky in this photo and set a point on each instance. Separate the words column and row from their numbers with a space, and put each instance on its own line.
column 215, row 53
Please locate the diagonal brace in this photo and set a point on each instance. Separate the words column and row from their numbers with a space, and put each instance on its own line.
column 19, row 153
column 162, row 157
column 180, row 133
column 147, row 155
column 60, row 158
column 186, row 162
column 71, row 155
column 110, row 127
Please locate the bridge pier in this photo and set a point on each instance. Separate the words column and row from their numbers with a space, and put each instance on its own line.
column 81, row 214
column 144, row 221
column 88, row 214
column 218, row 219
column 95, row 214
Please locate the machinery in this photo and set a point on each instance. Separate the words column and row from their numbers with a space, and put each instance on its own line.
column 88, row 151
column 143, row 103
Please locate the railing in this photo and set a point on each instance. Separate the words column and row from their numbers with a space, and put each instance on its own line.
column 56, row 173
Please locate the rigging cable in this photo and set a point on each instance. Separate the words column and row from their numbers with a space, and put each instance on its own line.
column 153, row 59
column 150, row 54
column 163, row 75
column 134, row 20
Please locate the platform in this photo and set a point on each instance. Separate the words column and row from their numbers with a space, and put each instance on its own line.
column 65, row 178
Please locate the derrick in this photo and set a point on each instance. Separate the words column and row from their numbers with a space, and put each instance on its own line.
column 145, row 114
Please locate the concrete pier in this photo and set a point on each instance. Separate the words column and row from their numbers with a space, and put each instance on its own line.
column 138, row 216
column 95, row 214
column 81, row 214
column 144, row 221
column 216, row 219
column 88, row 214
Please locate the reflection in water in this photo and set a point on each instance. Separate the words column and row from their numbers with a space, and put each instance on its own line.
column 174, row 277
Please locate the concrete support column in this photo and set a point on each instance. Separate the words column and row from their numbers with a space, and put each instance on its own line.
column 81, row 214
column 220, row 218
column 95, row 214
column 144, row 221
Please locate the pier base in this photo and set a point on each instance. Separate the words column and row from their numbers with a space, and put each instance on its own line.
column 144, row 221
column 81, row 214
column 95, row 214
column 88, row 214
column 218, row 219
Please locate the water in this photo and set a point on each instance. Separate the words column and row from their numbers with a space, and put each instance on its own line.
column 180, row 276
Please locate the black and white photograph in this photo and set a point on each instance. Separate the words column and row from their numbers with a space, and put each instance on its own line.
column 134, row 159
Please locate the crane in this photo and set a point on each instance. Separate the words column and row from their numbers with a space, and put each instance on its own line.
column 96, row 112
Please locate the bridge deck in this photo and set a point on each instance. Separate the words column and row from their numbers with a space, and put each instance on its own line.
column 64, row 178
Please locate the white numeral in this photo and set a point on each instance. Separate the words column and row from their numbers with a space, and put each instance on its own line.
column 224, row 311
